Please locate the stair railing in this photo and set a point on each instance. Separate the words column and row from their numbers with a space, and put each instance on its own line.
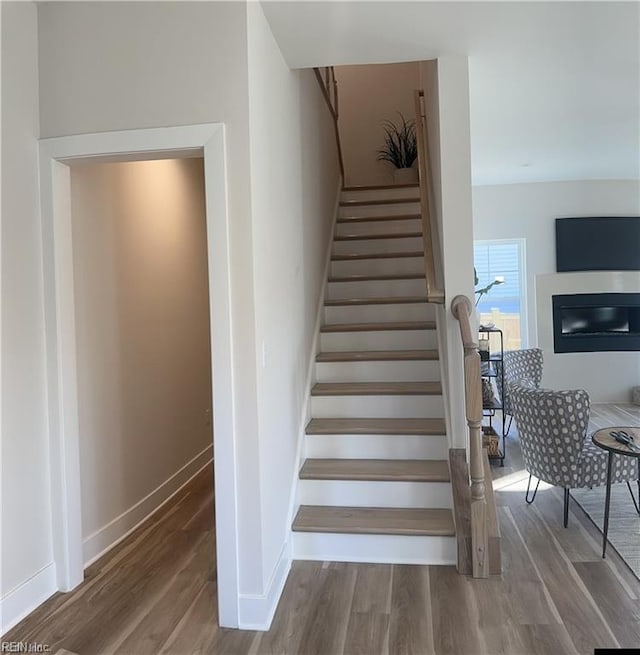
column 434, row 293
column 326, row 77
column 462, row 309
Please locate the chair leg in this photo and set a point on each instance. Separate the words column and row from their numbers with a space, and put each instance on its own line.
column 566, row 507
column 535, row 491
column 633, row 498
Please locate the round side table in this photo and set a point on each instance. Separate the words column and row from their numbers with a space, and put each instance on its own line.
column 604, row 440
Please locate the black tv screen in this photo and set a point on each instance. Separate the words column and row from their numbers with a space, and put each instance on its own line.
column 598, row 244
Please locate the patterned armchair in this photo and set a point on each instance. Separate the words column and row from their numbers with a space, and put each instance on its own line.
column 556, row 446
column 518, row 365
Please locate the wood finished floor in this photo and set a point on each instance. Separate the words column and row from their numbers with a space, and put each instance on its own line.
column 155, row 593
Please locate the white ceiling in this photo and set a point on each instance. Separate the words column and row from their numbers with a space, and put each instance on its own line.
column 554, row 86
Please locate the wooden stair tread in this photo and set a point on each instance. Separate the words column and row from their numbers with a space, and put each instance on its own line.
column 375, row 187
column 366, row 237
column 379, row 327
column 375, row 277
column 378, row 470
column 374, row 520
column 370, row 219
column 377, row 355
column 383, row 201
column 377, row 389
column 388, row 426
column 356, row 256
column 388, row 300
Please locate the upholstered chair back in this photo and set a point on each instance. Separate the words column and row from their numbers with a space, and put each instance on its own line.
column 552, row 426
column 518, row 365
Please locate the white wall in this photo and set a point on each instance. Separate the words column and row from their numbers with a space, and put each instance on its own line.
column 142, row 331
column 294, row 182
column 367, row 96
column 455, row 220
column 184, row 63
column 112, row 66
column 607, row 376
column 26, row 571
column 529, row 211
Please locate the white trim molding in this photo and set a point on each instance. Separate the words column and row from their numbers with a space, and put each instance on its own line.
column 257, row 610
column 22, row 600
column 101, row 541
column 56, row 155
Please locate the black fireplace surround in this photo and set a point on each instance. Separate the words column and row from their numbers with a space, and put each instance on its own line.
column 596, row 322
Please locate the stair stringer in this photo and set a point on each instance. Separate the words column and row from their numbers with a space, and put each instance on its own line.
column 305, row 415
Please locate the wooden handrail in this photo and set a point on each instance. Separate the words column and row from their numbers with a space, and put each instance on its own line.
column 329, row 88
column 462, row 309
column 434, row 294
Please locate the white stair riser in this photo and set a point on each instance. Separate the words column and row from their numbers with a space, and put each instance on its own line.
column 393, row 209
column 381, row 549
column 352, row 493
column 388, row 371
column 378, row 266
column 381, row 194
column 376, row 288
column 377, row 407
column 361, row 246
column 379, row 313
column 392, row 226
column 376, row 446
column 381, row 340
column 377, row 549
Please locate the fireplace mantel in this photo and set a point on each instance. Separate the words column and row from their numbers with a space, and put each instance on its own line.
column 607, row 376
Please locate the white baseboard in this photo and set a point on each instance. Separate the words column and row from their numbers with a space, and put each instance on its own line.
column 23, row 599
column 101, row 541
column 256, row 611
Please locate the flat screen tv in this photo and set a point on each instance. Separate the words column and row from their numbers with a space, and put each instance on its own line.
column 598, row 244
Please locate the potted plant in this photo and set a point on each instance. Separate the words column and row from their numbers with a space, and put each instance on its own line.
column 484, row 290
column 400, row 149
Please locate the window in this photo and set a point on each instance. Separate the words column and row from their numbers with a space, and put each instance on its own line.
column 505, row 304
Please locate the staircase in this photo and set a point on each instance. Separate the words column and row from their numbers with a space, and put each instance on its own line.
column 375, row 484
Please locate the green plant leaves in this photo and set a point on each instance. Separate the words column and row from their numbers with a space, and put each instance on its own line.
column 400, row 143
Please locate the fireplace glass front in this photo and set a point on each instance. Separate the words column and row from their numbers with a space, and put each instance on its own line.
column 596, row 322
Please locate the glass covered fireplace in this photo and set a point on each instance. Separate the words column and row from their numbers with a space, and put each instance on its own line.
column 596, row 322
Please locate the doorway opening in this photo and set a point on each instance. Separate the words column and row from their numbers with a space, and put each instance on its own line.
column 107, row 332
column 142, row 339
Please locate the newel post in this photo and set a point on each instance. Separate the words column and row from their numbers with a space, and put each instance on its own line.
column 462, row 309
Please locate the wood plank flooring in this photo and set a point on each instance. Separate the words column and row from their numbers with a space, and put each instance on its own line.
column 156, row 593
column 379, row 327
column 402, row 470
column 378, row 356
column 376, row 389
column 375, row 520
column 421, row 426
